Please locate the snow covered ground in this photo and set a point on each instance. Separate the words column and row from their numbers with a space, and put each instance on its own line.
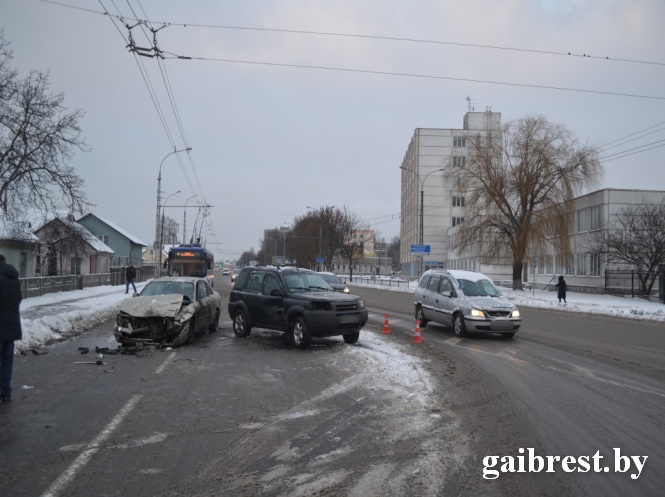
column 60, row 315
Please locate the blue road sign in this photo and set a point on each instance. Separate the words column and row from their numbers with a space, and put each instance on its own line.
column 320, row 260
column 420, row 249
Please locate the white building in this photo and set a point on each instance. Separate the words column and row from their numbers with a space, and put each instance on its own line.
column 430, row 200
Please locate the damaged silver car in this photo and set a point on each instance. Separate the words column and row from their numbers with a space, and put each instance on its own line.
column 169, row 311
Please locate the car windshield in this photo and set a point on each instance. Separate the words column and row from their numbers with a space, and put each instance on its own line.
column 331, row 278
column 167, row 288
column 306, row 282
column 480, row 288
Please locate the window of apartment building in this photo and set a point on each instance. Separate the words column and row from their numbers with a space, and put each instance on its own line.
column 459, row 161
column 570, row 267
column 560, row 269
column 458, row 182
column 550, row 265
column 581, row 264
column 458, row 201
column 595, row 218
column 581, row 221
column 459, row 141
column 594, row 269
column 104, row 239
column 75, row 265
column 541, row 267
column 457, row 220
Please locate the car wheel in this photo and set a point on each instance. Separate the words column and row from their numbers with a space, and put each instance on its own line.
column 215, row 322
column 459, row 326
column 300, row 335
column 508, row 335
column 351, row 337
column 421, row 317
column 191, row 331
column 241, row 325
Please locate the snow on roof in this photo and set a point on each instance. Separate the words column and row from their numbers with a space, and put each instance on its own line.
column 88, row 236
column 118, row 229
column 16, row 231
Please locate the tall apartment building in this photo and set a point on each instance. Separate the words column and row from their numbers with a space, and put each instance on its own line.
column 431, row 201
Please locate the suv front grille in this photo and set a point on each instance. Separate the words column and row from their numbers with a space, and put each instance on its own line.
column 346, row 306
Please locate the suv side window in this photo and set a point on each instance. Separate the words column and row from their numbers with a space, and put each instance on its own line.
column 241, row 280
column 433, row 283
column 423, row 281
column 270, row 283
column 255, row 282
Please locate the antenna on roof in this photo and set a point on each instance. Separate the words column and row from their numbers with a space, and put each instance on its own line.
column 470, row 104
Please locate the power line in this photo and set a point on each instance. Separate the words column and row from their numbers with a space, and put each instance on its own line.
column 390, row 38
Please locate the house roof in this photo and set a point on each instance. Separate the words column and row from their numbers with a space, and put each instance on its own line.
column 114, row 226
column 16, row 231
column 90, row 238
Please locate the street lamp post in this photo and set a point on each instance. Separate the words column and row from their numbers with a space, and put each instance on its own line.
column 422, row 205
column 161, row 234
column 184, row 220
column 159, row 192
column 284, row 239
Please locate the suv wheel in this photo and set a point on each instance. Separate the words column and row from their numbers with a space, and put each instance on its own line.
column 351, row 337
column 241, row 325
column 459, row 326
column 300, row 335
column 215, row 322
column 421, row 317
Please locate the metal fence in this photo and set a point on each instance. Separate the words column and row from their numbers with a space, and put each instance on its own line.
column 35, row 287
column 378, row 280
column 628, row 283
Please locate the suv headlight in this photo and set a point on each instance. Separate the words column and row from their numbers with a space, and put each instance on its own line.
column 515, row 313
column 477, row 313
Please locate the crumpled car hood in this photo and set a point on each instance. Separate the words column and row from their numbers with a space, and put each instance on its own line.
column 156, row 305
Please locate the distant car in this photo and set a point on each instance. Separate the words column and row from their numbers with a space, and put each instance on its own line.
column 335, row 282
column 226, row 271
column 296, row 301
column 467, row 301
column 169, row 311
column 234, row 274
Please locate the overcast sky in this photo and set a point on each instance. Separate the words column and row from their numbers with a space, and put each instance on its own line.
column 270, row 139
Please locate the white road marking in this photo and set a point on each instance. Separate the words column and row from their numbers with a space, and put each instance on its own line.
column 84, row 457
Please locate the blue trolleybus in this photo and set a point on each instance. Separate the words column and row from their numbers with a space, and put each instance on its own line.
column 191, row 260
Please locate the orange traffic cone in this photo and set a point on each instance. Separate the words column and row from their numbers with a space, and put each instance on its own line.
column 416, row 339
column 386, row 326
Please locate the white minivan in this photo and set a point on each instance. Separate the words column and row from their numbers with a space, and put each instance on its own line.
column 467, row 301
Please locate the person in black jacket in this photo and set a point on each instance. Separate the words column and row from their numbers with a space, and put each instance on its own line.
column 561, row 292
column 130, row 275
column 10, row 324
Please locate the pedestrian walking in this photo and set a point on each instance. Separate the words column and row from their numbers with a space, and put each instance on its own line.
column 561, row 292
column 130, row 275
column 10, row 324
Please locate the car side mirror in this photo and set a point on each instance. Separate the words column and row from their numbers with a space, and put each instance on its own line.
column 447, row 293
column 276, row 292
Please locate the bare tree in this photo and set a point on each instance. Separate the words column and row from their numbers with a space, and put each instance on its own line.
column 636, row 237
column 38, row 135
column 393, row 252
column 519, row 184
column 171, row 230
column 351, row 244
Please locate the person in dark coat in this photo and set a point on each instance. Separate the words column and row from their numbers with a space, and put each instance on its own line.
column 10, row 324
column 130, row 275
column 561, row 292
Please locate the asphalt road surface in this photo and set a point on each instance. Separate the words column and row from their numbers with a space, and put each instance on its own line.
column 244, row 417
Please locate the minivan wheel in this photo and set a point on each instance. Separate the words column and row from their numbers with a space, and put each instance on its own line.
column 459, row 326
column 421, row 317
column 300, row 335
column 241, row 326
column 351, row 337
column 191, row 331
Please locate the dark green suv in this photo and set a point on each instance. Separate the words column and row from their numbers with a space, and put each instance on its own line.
column 296, row 301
